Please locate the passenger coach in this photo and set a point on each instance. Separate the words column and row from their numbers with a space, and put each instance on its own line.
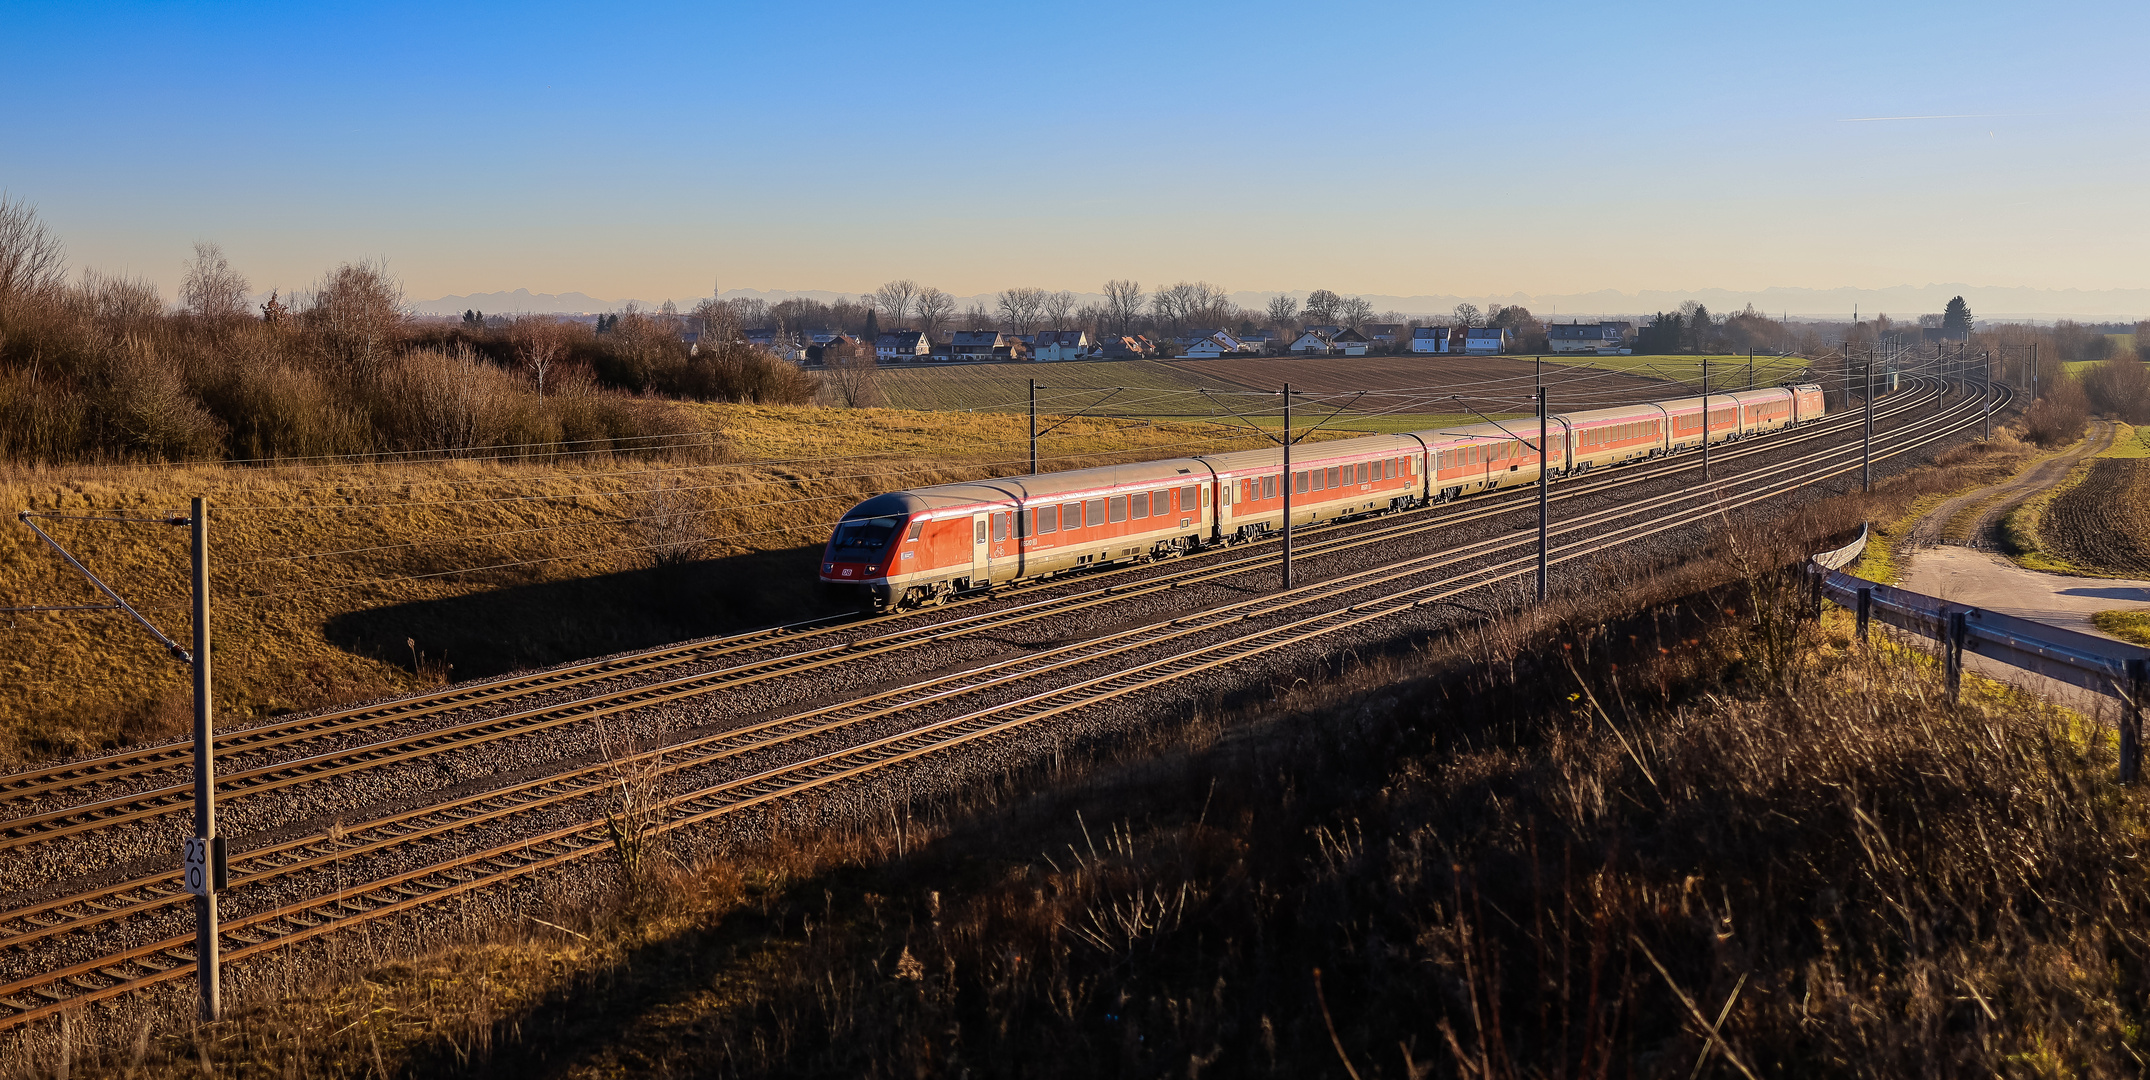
column 908, row 548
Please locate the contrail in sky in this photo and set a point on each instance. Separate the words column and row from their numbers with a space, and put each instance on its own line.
column 1949, row 116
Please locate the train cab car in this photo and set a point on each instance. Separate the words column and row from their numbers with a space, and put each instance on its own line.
column 1471, row 458
column 1616, row 436
column 927, row 544
column 1328, row 480
column 1806, row 403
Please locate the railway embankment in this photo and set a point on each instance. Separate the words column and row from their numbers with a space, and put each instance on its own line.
column 581, row 924
column 339, row 583
column 1676, row 825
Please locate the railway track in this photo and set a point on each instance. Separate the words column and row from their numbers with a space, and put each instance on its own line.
column 822, row 642
column 146, row 965
column 177, row 797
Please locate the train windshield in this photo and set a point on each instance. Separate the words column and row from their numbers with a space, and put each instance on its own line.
column 865, row 534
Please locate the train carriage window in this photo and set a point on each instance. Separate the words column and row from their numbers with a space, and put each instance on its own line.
column 1332, row 476
column 1119, row 509
column 1048, row 520
column 1000, row 527
column 1190, row 499
column 1093, row 513
column 1298, row 483
column 1269, row 487
column 1388, row 469
column 981, row 533
column 1139, row 505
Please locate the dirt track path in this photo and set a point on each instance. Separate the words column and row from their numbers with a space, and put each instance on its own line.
column 1952, row 552
column 1971, row 519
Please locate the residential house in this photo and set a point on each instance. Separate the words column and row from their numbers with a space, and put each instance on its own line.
column 1126, row 347
column 1217, row 343
column 1260, row 341
column 1314, row 342
column 693, row 340
column 900, row 345
column 1390, row 334
column 1052, row 345
column 1583, row 337
column 824, row 337
column 1485, row 339
column 820, row 352
column 1325, row 331
column 978, row 345
column 1436, row 339
column 1351, row 342
column 765, row 338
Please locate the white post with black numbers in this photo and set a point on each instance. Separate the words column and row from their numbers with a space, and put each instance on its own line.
column 203, row 865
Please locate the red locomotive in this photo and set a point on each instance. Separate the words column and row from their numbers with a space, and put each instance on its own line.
column 922, row 546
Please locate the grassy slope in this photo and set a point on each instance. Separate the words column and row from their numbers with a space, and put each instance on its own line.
column 1436, row 861
column 299, row 634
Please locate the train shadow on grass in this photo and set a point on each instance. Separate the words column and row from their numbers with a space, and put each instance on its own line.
column 521, row 626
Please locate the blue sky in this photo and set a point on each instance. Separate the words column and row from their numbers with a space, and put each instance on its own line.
column 1382, row 148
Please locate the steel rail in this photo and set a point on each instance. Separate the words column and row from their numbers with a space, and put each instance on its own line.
column 113, row 768
column 142, row 895
column 150, row 964
column 174, row 798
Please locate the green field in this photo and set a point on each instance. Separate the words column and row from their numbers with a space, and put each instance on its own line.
column 1145, row 389
column 1725, row 372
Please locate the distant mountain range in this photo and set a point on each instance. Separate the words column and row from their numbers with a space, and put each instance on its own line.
column 1988, row 303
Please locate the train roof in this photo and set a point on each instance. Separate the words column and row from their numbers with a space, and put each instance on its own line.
column 1271, row 457
column 1024, row 489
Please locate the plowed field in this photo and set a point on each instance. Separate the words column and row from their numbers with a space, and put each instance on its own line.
column 2103, row 523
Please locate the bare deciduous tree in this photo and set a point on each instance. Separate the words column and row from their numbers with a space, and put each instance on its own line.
column 358, row 309
column 1123, row 305
column 1353, row 311
column 850, row 376
column 934, row 307
column 1058, row 307
column 1321, row 307
column 539, row 345
column 1469, row 315
column 32, row 264
column 976, row 317
column 1020, row 308
column 211, row 289
column 895, row 299
column 1283, row 309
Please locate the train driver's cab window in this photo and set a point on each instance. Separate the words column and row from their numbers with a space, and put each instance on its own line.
column 917, row 528
column 864, row 534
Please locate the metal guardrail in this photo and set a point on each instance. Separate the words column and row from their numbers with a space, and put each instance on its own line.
column 2100, row 665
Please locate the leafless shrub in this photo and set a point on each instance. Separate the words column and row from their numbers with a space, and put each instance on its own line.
column 850, row 377
column 358, row 314
column 2120, row 386
column 2059, row 415
column 32, row 261
column 149, row 407
column 211, row 289
column 671, row 523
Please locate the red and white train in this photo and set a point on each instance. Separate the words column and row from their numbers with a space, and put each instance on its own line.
column 924, row 545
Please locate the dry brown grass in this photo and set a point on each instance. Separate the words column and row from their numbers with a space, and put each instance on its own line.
column 573, row 541
column 1525, row 850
